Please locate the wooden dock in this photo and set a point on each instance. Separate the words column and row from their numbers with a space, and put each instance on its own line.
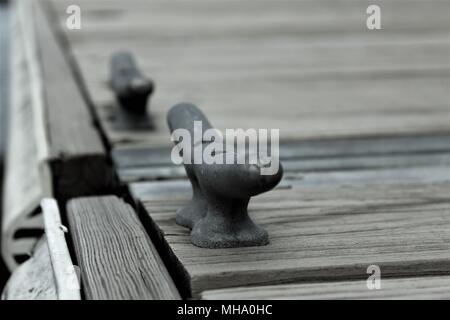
column 364, row 119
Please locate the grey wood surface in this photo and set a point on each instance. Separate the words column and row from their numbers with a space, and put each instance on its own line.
column 320, row 233
column 145, row 164
column 310, row 68
column 117, row 260
column 420, row 288
column 143, row 156
column 75, row 151
column 71, row 131
column 363, row 118
column 181, row 188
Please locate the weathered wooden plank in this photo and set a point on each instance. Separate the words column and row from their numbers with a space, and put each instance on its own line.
column 297, row 167
column 145, row 163
column 327, row 74
column 321, row 233
column 176, row 189
column 143, row 156
column 130, row 175
column 116, row 257
column 331, row 110
column 420, row 288
column 327, row 77
column 78, row 159
column 305, row 17
column 402, row 176
column 63, row 99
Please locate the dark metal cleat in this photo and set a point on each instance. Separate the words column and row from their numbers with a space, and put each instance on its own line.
column 217, row 212
column 183, row 116
column 132, row 89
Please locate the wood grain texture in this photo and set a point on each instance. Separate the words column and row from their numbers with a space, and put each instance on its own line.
column 310, row 68
column 341, row 206
column 143, row 156
column 116, row 257
column 74, row 148
column 313, row 70
column 420, row 288
column 70, row 126
column 321, row 233
column 146, row 164
column 180, row 189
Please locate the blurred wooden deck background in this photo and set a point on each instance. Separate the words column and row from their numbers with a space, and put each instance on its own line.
column 309, row 68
